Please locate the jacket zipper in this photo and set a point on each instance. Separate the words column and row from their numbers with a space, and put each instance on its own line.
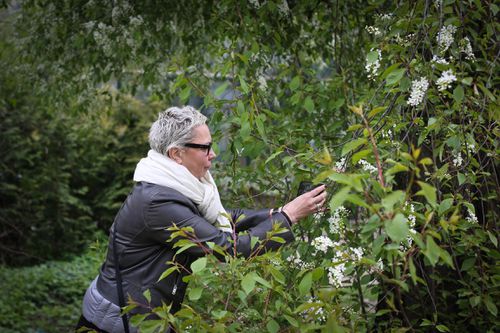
column 177, row 281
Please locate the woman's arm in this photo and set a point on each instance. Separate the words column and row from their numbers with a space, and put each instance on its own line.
column 257, row 224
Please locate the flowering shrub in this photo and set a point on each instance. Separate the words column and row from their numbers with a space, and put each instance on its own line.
column 394, row 109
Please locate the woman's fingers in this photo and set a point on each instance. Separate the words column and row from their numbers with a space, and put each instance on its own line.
column 316, row 191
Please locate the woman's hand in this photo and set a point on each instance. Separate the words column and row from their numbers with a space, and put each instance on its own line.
column 306, row 204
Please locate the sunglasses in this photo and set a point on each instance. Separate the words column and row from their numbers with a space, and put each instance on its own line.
column 206, row 147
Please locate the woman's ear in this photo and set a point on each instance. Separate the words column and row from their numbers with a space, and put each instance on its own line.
column 175, row 154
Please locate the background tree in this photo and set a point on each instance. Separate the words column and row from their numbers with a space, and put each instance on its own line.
column 393, row 104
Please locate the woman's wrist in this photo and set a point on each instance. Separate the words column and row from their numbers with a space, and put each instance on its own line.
column 285, row 211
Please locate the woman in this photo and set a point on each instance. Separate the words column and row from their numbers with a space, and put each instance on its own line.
column 174, row 186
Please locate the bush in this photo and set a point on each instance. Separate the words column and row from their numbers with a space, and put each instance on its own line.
column 48, row 297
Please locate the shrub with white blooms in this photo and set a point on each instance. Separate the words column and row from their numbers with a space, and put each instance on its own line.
column 445, row 37
column 444, row 82
column 322, row 243
column 372, row 65
column 418, row 89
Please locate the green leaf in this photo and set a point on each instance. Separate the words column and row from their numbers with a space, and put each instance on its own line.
column 432, row 251
column 413, row 271
column 277, row 275
column 461, row 178
column 309, row 104
column 391, row 199
column 467, row 264
column 398, row 167
column 360, row 155
column 195, row 294
column 428, row 191
column 397, row 228
column 185, row 93
column 147, row 295
column 474, row 301
column 458, row 94
column 221, row 89
column 395, row 76
column 492, row 308
column 198, row 265
column 168, row 272
column 372, row 57
column 352, row 145
column 245, row 129
column 442, row 328
column 273, row 156
column 445, row 205
column 244, row 85
column 295, row 83
column 339, row 198
column 493, row 238
column 272, row 326
column 305, row 284
column 291, row 320
column 486, row 92
column 376, row 111
column 240, row 107
column 150, row 326
column 260, row 127
column 445, row 256
column 333, row 326
column 260, row 280
column 248, row 283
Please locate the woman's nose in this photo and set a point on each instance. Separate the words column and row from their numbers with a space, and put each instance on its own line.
column 211, row 154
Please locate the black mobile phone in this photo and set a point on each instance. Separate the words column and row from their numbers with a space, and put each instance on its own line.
column 306, row 186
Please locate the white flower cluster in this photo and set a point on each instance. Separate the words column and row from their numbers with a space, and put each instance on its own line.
column 357, row 253
column 335, row 221
column 255, row 3
column 385, row 17
column 411, row 217
column 445, row 37
column 101, row 37
column 386, row 134
column 322, row 243
column 373, row 30
column 336, row 275
column 418, row 89
column 444, row 82
column 458, row 160
column 340, row 166
column 471, row 218
column 367, row 166
column 283, row 8
column 404, row 41
column 466, row 48
column 315, row 310
column 262, row 83
column 471, row 148
column 298, row 262
column 438, row 60
column 136, row 20
column 372, row 66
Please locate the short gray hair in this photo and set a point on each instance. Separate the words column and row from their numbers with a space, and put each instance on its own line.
column 174, row 127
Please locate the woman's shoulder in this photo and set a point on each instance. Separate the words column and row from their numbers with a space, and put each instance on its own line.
column 158, row 193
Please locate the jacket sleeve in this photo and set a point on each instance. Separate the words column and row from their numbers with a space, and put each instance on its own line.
column 256, row 224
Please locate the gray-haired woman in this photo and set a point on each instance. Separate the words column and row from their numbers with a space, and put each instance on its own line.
column 174, row 186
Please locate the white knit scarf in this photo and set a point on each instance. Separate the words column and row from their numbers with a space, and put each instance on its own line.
column 161, row 170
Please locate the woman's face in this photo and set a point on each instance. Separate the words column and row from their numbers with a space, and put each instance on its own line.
column 196, row 160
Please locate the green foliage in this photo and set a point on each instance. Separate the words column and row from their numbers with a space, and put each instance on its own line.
column 48, row 297
column 392, row 104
